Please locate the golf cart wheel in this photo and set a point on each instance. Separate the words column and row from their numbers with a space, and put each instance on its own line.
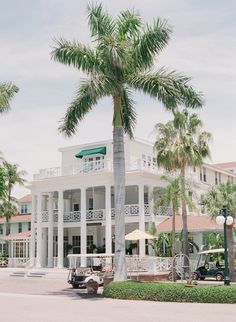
column 75, row 285
column 219, row 277
column 202, row 278
column 195, row 276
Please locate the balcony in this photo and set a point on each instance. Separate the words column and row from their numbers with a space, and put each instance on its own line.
column 100, row 214
column 94, row 167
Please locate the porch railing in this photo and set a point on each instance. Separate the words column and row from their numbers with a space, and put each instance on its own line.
column 99, row 214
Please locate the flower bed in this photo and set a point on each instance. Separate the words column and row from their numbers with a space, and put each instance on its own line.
column 170, row 292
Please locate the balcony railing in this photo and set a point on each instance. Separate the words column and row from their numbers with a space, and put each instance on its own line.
column 94, row 167
column 88, row 167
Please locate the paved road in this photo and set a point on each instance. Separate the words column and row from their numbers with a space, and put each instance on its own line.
column 45, row 300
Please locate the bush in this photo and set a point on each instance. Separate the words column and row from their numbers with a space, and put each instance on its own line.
column 170, row 292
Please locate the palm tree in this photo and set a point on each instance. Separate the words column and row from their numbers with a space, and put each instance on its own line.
column 3, row 187
column 181, row 143
column 120, row 61
column 12, row 176
column 173, row 194
column 7, row 91
column 224, row 195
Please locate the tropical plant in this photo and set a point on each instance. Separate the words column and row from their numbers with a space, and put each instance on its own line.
column 172, row 195
column 3, row 187
column 121, row 59
column 181, row 143
column 8, row 206
column 7, row 92
column 224, row 194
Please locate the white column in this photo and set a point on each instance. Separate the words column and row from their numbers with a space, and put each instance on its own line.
column 50, row 230
column 60, row 234
column 32, row 239
column 141, row 218
column 39, row 231
column 108, row 220
column 83, row 228
column 151, row 203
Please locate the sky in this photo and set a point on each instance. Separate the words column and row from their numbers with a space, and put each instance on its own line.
column 202, row 46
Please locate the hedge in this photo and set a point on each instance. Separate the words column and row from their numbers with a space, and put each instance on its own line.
column 170, row 292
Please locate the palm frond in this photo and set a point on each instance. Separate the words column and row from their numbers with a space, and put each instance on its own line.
column 7, row 92
column 100, row 23
column 151, row 43
column 75, row 54
column 128, row 24
column 89, row 92
column 129, row 113
column 171, row 88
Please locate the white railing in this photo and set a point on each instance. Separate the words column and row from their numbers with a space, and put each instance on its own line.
column 163, row 264
column 94, row 167
column 72, row 216
column 45, row 216
column 96, row 214
column 164, row 211
column 17, row 261
column 87, row 167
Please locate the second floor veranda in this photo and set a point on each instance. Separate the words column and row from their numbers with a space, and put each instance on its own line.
column 137, row 203
column 101, row 165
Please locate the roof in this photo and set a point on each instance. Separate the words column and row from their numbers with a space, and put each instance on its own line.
column 226, row 165
column 195, row 223
column 17, row 218
column 26, row 198
column 22, row 235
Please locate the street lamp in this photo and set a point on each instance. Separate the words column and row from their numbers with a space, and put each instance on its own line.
column 224, row 219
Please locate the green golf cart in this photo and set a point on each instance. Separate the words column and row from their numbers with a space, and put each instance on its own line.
column 210, row 265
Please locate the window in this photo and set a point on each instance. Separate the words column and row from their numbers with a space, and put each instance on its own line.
column 204, row 175
column 19, row 227
column 76, row 244
column 219, row 177
column 90, row 245
column 146, row 198
column 76, row 207
column 24, row 208
column 90, row 202
column 1, row 229
column 29, row 226
column 201, row 174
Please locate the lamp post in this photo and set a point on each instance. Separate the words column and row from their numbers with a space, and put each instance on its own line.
column 223, row 218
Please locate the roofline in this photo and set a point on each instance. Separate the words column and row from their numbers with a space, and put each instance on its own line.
column 213, row 167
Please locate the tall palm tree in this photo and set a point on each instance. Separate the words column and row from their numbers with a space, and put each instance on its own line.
column 3, row 187
column 7, row 91
column 12, row 176
column 181, row 143
column 173, row 194
column 120, row 61
column 224, row 195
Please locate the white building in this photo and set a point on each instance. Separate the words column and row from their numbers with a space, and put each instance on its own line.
column 73, row 205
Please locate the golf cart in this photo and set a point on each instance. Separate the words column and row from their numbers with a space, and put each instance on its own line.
column 210, row 264
column 79, row 277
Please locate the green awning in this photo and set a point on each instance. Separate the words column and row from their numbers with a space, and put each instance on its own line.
column 84, row 153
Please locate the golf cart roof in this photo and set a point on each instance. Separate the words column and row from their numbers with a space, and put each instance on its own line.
column 212, row 251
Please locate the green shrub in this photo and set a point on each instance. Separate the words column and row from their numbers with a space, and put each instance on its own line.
column 170, row 292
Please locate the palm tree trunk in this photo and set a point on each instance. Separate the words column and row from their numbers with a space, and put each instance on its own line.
column 185, row 221
column 119, row 185
column 173, row 247
column 7, row 226
column 231, row 253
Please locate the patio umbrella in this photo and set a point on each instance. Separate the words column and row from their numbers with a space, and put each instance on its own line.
column 138, row 235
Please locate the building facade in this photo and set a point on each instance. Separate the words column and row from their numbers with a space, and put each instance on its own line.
column 73, row 205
